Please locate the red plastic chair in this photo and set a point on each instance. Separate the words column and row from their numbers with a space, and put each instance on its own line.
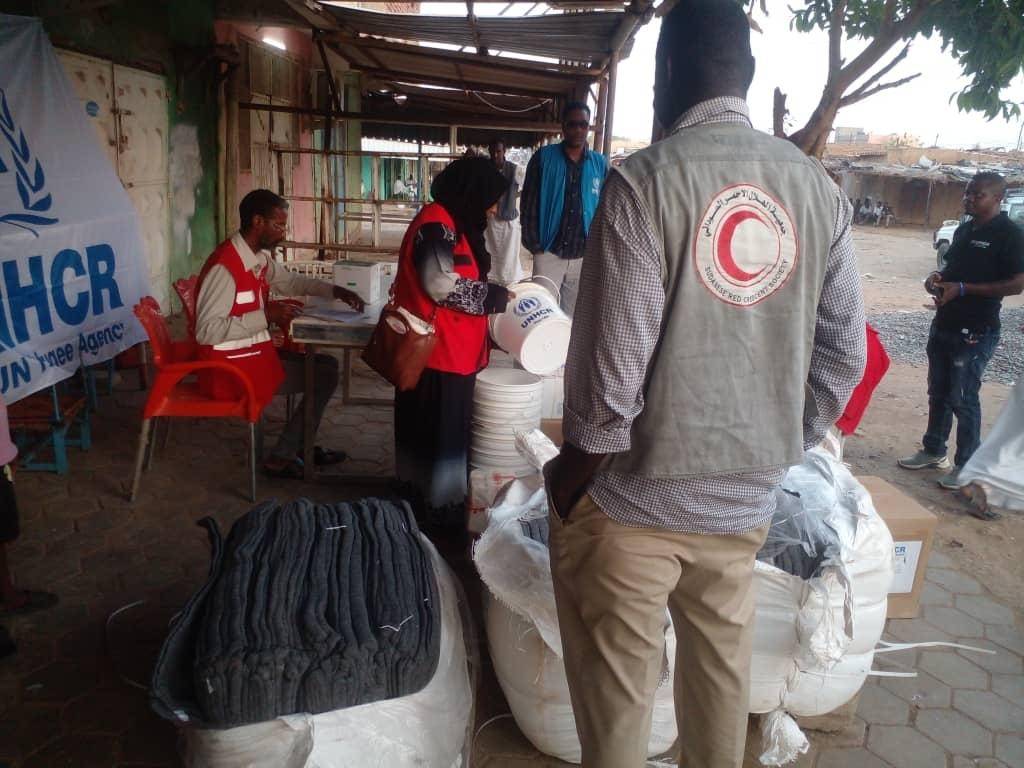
column 186, row 290
column 172, row 397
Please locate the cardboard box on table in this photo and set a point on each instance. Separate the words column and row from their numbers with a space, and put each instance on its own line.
column 913, row 528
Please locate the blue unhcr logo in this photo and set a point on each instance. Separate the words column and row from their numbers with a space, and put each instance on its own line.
column 35, row 200
column 526, row 306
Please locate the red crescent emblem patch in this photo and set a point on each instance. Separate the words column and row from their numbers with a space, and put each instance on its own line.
column 745, row 248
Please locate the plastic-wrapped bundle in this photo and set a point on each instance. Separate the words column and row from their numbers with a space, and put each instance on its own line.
column 427, row 728
column 994, row 475
column 522, row 630
column 814, row 638
column 308, row 608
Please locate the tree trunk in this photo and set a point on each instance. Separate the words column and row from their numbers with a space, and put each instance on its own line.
column 813, row 136
column 779, row 112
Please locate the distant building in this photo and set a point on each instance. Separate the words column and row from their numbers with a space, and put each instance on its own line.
column 850, row 136
column 895, row 139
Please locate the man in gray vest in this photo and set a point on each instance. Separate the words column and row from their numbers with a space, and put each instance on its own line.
column 719, row 333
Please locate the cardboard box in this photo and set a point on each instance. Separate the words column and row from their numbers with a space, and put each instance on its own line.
column 553, row 429
column 912, row 527
column 364, row 278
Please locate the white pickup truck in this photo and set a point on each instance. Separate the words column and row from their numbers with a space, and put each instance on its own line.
column 1013, row 205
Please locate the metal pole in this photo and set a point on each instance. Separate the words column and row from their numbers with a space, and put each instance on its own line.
column 453, row 138
column 609, row 123
column 927, row 205
column 602, row 107
column 375, row 200
column 324, row 184
column 419, row 173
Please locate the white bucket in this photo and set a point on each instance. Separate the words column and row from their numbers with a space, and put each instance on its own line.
column 511, row 380
column 514, row 466
column 533, row 329
column 505, row 400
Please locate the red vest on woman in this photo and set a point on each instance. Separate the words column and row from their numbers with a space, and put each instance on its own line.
column 256, row 356
column 462, row 345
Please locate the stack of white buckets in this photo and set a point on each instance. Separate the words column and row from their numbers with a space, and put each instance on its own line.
column 535, row 331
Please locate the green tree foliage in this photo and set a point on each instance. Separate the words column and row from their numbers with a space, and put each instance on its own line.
column 986, row 37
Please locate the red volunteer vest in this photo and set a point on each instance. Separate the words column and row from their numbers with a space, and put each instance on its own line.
column 461, row 339
column 255, row 357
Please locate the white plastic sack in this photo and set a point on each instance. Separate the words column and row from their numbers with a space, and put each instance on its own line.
column 523, row 635
column 427, row 728
column 532, row 677
column 997, row 467
column 814, row 640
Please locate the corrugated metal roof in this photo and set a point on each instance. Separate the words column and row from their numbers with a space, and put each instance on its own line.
column 582, row 37
column 430, row 65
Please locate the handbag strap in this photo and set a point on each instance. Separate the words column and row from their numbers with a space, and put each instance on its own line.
column 394, row 303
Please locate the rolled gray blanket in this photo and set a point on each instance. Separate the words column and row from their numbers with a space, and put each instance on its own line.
column 309, row 608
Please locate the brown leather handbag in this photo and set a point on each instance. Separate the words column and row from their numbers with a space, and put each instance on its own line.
column 400, row 346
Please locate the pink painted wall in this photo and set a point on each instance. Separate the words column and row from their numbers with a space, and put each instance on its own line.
column 299, row 49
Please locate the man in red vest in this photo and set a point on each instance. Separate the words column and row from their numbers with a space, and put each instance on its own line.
column 233, row 317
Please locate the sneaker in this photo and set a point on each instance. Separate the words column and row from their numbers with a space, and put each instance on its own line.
column 951, row 480
column 924, row 460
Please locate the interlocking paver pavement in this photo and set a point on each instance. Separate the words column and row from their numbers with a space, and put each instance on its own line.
column 1010, row 749
column 73, row 695
column 880, row 707
column 921, row 692
column 955, row 732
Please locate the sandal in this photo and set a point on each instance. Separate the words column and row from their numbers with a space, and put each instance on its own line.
column 983, row 513
column 290, row 470
column 325, row 457
column 34, row 601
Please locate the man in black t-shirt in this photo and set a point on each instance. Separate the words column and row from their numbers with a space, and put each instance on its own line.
column 985, row 262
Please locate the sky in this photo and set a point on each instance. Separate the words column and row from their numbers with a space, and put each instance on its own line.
column 797, row 63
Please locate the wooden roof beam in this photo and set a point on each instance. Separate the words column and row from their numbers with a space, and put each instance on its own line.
column 637, row 15
column 313, row 14
column 481, row 49
column 410, row 119
column 412, row 77
column 513, row 65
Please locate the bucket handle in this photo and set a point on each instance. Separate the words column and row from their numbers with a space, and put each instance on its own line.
column 554, row 288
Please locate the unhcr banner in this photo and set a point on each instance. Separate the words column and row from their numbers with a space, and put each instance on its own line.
column 71, row 259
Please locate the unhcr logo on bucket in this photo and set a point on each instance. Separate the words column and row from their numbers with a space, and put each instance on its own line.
column 526, row 306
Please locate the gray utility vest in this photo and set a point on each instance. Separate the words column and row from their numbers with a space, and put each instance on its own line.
column 746, row 221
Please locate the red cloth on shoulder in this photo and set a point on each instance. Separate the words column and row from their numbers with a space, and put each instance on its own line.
column 874, row 371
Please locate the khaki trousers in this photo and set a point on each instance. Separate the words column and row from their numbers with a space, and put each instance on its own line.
column 612, row 586
column 564, row 273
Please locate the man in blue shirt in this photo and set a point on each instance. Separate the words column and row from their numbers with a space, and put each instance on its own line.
column 560, row 195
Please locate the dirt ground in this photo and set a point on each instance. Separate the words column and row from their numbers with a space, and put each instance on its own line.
column 893, row 264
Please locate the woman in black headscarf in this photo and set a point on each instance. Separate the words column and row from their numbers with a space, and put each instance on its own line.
column 442, row 277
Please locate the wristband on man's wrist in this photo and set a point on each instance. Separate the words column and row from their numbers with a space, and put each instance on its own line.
column 961, row 290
